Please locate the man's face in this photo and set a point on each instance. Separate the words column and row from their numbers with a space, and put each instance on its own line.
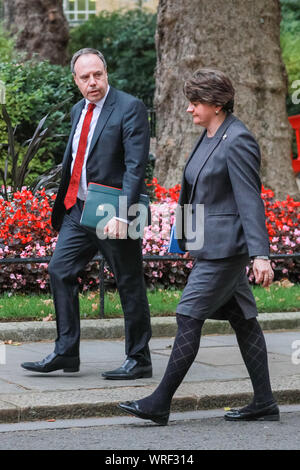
column 91, row 77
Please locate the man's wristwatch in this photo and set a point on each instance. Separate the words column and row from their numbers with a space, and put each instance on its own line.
column 262, row 257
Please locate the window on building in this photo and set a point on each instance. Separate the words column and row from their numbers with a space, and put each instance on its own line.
column 77, row 11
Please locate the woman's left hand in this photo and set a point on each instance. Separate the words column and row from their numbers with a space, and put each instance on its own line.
column 263, row 272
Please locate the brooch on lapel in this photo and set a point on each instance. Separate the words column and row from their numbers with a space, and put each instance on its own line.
column 224, row 137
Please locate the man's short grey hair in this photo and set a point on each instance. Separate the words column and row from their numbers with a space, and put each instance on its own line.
column 86, row 50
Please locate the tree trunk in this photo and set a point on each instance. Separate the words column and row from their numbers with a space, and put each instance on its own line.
column 240, row 37
column 40, row 26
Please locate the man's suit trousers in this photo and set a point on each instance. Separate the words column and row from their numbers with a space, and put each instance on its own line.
column 75, row 247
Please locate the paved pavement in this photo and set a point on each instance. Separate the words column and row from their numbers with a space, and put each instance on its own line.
column 217, row 379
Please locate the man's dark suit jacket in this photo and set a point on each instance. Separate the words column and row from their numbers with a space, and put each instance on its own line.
column 118, row 153
column 229, row 186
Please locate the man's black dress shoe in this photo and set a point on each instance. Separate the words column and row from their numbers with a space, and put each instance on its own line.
column 267, row 413
column 129, row 370
column 132, row 407
column 54, row 362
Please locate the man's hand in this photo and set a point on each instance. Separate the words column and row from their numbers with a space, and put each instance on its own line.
column 116, row 229
column 263, row 272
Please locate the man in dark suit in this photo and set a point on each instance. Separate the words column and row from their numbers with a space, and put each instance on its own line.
column 108, row 144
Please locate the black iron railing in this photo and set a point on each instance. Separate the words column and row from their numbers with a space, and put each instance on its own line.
column 152, row 121
column 99, row 258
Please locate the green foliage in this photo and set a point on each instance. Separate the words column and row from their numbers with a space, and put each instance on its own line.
column 127, row 42
column 32, row 88
column 16, row 166
column 290, row 46
column 290, row 11
column 6, row 46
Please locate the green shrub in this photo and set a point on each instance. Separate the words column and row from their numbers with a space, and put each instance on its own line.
column 32, row 88
column 6, row 46
column 290, row 46
column 127, row 42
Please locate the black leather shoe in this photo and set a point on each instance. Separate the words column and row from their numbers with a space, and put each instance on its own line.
column 54, row 362
column 129, row 370
column 267, row 413
column 132, row 407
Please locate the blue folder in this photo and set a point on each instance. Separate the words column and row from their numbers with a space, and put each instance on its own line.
column 173, row 245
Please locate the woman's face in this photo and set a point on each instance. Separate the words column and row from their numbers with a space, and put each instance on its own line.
column 202, row 113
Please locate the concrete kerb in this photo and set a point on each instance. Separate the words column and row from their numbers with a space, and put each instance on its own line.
column 113, row 328
column 102, row 402
column 50, row 405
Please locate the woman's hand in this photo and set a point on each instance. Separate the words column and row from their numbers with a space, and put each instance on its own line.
column 263, row 272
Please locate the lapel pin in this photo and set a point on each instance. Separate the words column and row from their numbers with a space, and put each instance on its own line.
column 224, row 136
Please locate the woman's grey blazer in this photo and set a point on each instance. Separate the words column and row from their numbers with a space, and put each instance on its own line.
column 228, row 185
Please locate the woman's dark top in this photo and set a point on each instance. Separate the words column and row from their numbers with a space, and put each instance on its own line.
column 194, row 164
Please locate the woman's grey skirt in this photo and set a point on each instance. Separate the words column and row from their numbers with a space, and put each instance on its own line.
column 216, row 288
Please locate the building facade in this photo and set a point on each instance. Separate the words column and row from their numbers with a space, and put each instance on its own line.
column 78, row 11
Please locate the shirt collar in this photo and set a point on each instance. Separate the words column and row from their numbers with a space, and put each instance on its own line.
column 101, row 102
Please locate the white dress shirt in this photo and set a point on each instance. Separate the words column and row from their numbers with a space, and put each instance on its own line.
column 82, row 191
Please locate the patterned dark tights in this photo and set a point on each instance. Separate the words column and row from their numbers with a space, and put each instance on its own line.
column 186, row 345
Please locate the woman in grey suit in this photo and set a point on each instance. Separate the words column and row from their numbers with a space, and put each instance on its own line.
column 221, row 176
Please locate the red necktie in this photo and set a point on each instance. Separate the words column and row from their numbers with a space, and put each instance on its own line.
column 72, row 192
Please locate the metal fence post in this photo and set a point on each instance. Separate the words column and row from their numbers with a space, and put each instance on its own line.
column 101, row 285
